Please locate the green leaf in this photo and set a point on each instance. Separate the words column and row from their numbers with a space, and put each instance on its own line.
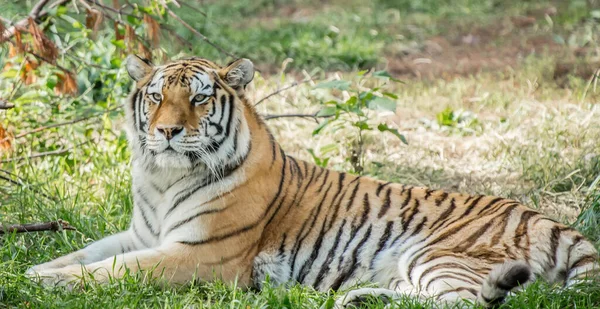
column 382, row 103
column 329, row 304
column 382, row 127
column 446, row 118
column 134, row 21
column 335, row 84
column 328, row 148
column 362, row 125
column 361, row 73
column 119, row 43
column 327, row 111
column 391, row 95
column 321, row 126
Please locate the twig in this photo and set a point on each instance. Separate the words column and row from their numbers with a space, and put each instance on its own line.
column 66, row 123
column 20, row 182
column 292, row 85
column 198, row 34
column 108, row 8
column 314, row 116
column 45, row 154
column 55, row 226
column 35, row 13
column 83, row 61
column 51, row 62
column 5, row 105
column 193, row 8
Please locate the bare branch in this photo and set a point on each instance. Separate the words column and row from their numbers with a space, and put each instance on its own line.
column 45, row 154
column 55, row 226
column 314, row 116
column 5, row 105
column 108, row 8
column 35, row 13
column 50, row 62
column 198, row 34
column 62, row 124
column 292, row 85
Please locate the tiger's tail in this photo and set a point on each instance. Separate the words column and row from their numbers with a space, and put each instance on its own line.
column 501, row 280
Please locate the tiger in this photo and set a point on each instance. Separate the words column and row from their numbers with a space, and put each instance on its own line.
column 217, row 198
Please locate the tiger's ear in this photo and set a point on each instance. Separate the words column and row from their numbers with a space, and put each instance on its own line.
column 138, row 67
column 238, row 74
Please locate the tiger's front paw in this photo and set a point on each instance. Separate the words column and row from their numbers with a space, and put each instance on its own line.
column 55, row 277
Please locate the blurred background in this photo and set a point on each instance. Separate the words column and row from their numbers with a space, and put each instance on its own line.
column 480, row 96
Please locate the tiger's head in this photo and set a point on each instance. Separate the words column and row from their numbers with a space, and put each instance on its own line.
column 189, row 112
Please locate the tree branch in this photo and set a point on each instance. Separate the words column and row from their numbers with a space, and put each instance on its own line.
column 292, row 85
column 37, row 9
column 55, row 226
column 314, row 116
column 198, row 34
column 35, row 13
column 62, row 124
column 46, row 154
column 5, row 105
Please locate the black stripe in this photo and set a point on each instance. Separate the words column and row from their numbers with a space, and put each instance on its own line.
column 309, row 230
column 353, row 195
column 139, row 237
column 408, row 198
column 380, row 187
column 144, row 199
column 350, row 268
column 445, row 215
column 192, row 217
column 330, row 256
column 147, row 222
column 554, row 242
column 419, row 227
column 441, row 199
column 184, row 195
column 281, row 182
column 386, row 204
column 471, row 206
column 428, row 193
column 490, row 204
column 231, row 110
column 382, row 241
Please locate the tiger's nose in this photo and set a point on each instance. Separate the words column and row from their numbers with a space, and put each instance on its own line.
column 169, row 132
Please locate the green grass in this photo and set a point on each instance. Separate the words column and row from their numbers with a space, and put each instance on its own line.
column 534, row 140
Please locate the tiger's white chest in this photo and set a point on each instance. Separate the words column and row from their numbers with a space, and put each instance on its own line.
column 168, row 204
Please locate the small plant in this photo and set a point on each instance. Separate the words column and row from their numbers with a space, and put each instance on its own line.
column 455, row 121
column 367, row 95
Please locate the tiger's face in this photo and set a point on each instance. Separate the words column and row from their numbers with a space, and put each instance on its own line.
column 184, row 111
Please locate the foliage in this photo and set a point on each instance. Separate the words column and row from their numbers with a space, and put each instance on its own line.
column 356, row 111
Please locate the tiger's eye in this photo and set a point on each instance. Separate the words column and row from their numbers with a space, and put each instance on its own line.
column 199, row 99
column 156, row 97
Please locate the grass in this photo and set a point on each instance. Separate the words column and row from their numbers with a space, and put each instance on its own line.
column 534, row 139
